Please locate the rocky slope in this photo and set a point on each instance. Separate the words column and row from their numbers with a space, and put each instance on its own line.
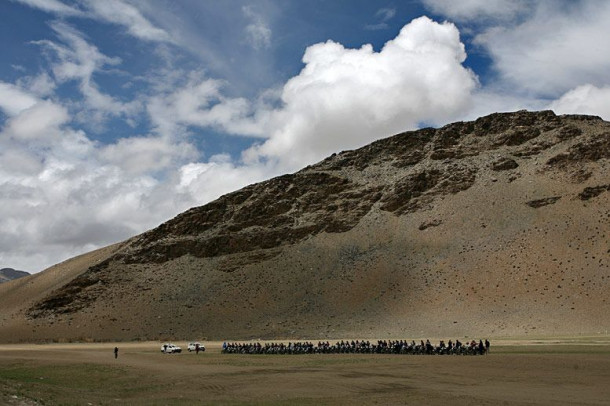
column 8, row 274
column 497, row 226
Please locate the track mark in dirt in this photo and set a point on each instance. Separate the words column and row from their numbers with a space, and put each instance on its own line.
column 286, row 371
column 366, row 375
column 216, row 389
column 387, row 387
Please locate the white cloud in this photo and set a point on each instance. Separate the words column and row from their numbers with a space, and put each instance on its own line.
column 78, row 60
column 224, row 40
column 541, row 50
column 468, row 10
column 62, row 194
column 18, row 161
column 559, row 47
column 345, row 98
column 200, row 103
column 386, row 13
column 585, row 99
column 122, row 13
column 70, row 201
column 258, row 32
column 18, row 68
column 68, row 208
column 40, row 121
column 14, row 100
column 112, row 11
column 41, row 85
column 141, row 155
column 52, row 6
column 383, row 15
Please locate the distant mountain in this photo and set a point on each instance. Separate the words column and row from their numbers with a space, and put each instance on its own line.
column 494, row 227
column 8, row 274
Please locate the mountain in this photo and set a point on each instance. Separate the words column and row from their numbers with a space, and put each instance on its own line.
column 8, row 274
column 494, row 227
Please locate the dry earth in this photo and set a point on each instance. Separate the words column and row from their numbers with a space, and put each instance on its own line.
column 517, row 372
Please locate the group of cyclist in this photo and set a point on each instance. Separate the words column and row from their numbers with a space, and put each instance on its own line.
column 361, row 347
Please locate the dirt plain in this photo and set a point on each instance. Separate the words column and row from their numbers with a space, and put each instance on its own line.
column 559, row 371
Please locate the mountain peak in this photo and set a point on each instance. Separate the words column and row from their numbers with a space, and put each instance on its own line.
column 7, row 274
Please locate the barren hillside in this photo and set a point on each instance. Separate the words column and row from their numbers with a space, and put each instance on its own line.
column 498, row 226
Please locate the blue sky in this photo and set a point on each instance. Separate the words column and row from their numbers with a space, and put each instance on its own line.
column 117, row 115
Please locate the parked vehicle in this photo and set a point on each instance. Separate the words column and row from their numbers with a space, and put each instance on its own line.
column 193, row 346
column 170, row 349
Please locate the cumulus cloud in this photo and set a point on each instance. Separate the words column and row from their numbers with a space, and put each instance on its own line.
column 41, row 121
column 345, row 98
column 200, row 102
column 561, row 46
column 15, row 160
column 142, row 155
column 585, row 99
column 62, row 194
column 72, row 195
column 66, row 208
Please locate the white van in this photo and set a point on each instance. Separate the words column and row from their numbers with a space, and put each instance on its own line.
column 193, row 346
column 170, row 349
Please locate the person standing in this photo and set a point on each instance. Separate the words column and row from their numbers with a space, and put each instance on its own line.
column 116, row 352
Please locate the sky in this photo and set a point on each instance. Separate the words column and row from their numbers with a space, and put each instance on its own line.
column 117, row 115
